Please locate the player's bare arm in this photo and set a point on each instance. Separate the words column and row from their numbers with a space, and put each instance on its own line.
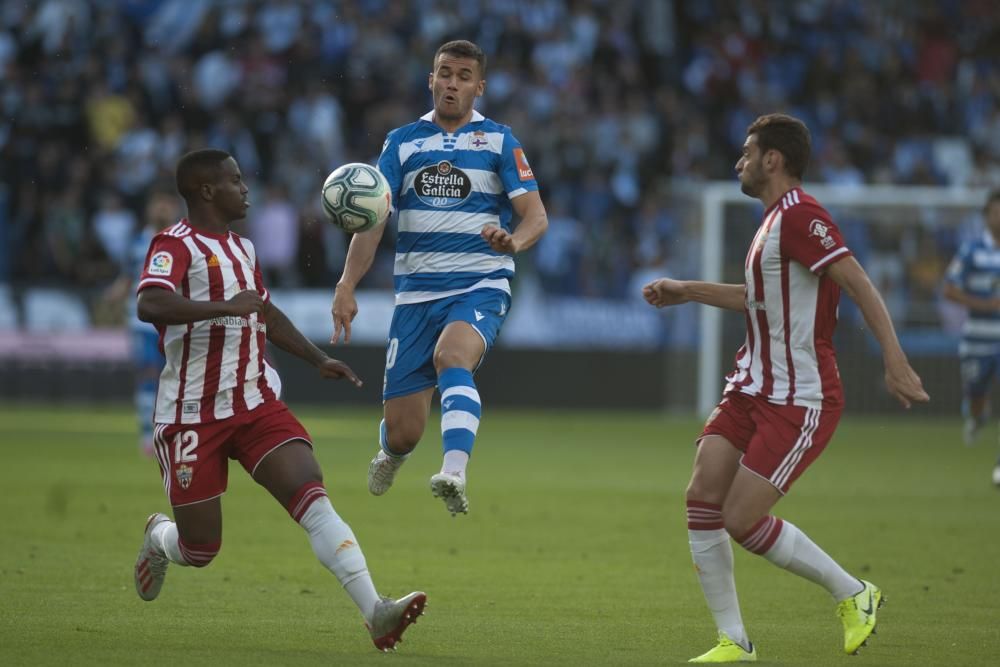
column 955, row 293
column 669, row 292
column 533, row 223
column 900, row 378
column 162, row 306
column 285, row 335
column 360, row 255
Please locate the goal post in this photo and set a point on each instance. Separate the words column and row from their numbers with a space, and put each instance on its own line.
column 932, row 208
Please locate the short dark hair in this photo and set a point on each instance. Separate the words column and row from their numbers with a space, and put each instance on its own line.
column 992, row 198
column 199, row 167
column 463, row 48
column 787, row 135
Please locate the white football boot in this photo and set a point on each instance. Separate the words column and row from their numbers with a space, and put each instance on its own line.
column 451, row 489
column 391, row 617
column 151, row 564
column 382, row 472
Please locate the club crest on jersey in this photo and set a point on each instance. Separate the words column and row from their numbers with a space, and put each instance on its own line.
column 821, row 230
column 213, row 260
column 184, row 475
column 160, row 264
column 478, row 140
column 442, row 185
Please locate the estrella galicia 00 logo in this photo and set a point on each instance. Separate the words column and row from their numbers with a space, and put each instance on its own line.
column 442, row 185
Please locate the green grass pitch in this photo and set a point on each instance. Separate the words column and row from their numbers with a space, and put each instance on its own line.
column 574, row 553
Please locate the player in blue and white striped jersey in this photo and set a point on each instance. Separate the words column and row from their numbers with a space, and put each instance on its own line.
column 458, row 179
column 973, row 280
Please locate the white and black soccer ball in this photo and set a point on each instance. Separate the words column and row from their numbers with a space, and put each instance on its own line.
column 356, row 197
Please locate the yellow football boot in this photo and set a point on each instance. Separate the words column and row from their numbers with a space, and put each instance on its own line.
column 727, row 651
column 857, row 613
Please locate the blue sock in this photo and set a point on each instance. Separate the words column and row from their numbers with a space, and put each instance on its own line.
column 460, row 409
column 383, row 442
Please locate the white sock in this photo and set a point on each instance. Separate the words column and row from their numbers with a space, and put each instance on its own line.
column 334, row 544
column 713, row 559
column 795, row 552
column 455, row 462
column 165, row 536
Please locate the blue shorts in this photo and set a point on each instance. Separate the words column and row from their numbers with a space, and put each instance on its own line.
column 414, row 332
column 978, row 373
column 146, row 348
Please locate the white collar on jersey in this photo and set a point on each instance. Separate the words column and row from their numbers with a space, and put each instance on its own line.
column 476, row 116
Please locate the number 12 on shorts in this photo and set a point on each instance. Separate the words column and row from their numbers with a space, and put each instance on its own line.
column 184, row 445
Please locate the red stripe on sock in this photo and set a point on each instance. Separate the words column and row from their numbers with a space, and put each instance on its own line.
column 762, row 536
column 198, row 555
column 304, row 498
column 703, row 516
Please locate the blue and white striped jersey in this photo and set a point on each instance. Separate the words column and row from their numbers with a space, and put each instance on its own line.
column 976, row 271
column 446, row 187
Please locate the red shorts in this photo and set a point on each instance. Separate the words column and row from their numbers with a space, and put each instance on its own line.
column 778, row 441
column 194, row 458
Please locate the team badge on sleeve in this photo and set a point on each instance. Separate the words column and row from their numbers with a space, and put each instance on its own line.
column 819, row 229
column 523, row 168
column 160, row 264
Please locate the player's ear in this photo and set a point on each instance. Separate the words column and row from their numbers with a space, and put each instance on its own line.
column 207, row 191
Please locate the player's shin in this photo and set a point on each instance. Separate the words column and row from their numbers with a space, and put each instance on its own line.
column 460, row 413
column 334, row 544
column 786, row 546
column 712, row 553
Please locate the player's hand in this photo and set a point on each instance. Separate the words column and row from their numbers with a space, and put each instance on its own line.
column 664, row 292
column 336, row 369
column 904, row 383
column 499, row 239
column 245, row 303
column 344, row 308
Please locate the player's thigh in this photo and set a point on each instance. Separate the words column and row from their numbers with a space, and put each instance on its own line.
column 750, row 498
column 409, row 358
column 473, row 323
column 200, row 523
column 715, row 465
column 285, row 470
column 721, row 444
column 788, row 439
column 460, row 346
column 406, row 419
column 275, row 448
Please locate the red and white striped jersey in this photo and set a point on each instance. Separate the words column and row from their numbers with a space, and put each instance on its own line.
column 214, row 368
column 791, row 307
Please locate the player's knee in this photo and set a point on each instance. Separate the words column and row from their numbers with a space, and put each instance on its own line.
column 699, row 491
column 446, row 357
column 402, row 436
column 736, row 525
column 199, row 555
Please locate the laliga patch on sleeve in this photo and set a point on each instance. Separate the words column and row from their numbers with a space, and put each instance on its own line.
column 523, row 168
column 160, row 264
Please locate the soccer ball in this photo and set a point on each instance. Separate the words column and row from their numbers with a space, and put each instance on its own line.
column 356, row 197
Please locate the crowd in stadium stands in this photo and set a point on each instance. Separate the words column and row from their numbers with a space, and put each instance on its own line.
column 614, row 101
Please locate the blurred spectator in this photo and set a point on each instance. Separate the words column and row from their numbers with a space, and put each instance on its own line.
column 615, row 99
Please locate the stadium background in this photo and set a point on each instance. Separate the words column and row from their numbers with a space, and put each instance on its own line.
column 626, row 110
column 575, row 552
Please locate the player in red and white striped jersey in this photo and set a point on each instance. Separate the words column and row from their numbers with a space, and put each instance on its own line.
column 218, row 399
column 784, row 398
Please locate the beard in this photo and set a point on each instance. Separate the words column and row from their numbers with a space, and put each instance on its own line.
column 752, row 184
